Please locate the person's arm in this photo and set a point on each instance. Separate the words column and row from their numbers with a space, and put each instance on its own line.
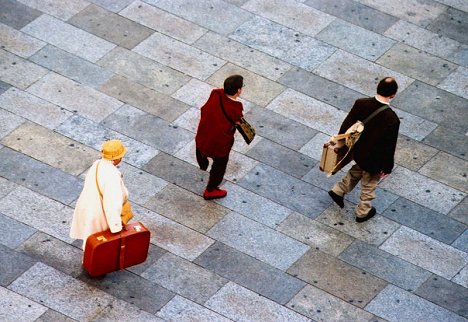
column 388, row 149
column 113, row 200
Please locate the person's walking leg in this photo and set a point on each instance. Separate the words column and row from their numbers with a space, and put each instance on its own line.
column 364, row 209
column 202, row 160
column 346, row 185
column 218, row 169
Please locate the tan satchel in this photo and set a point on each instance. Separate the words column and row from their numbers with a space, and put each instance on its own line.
column 245, row 129
column 126, row 213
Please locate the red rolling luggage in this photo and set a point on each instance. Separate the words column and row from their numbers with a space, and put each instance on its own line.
column 107, row 252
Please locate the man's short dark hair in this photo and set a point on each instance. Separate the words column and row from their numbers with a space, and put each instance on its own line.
column 232, row 84
column 387, row 87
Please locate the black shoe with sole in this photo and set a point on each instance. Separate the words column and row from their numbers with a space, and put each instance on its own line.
column 339, row 200
column 369, row 215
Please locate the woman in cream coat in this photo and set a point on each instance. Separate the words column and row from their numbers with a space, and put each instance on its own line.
column 91, row 215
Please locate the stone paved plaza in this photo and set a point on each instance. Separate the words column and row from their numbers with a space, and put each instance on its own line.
column 74, row 73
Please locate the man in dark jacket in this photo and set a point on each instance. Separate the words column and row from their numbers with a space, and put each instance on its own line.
column 373, row 152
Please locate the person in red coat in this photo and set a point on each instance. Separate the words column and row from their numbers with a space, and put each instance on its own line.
column 215, row 134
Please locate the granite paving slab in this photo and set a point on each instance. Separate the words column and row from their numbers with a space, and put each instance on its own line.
column 405, row 59
column 17, row 15
column 422, row 190
column 442, row 292
column 308, row 111
column 357, row 73
column 68, row 38
column 315, row 234
column 179, row 56
column 18, row 43
column 459, row 212
column 215, row 15
column 110, row 26
column 313, row 149
column 33, row 108
column 291, row 14
column 250, row 273
column 425, row 252
column 459, row 4
column 286, row 190
column 13, row 265
column 258, row 241
column 13, row 232
column 57, row 8
column 71, row 66
column 194, row 93
column 54, row 253
column 414, row 126
column 69, row 156
column 424, row 220
column 74, row 97
column 462, row 277
column 283, row 43
column 51, row 315
column 143, row 70
column 9, row 122
column 163, row 22
column 412, row 154
column 163, row 135
column 321, row 306
column 384, row 265
column 4, row 87
column 242, row 55
column 451, row 23
column 19, row 72
column 395, row 304
column 460, row 56
column 38, row 212
column 189, row 120
column 362, row 15
column 338, row 278
column 154, row 254
column 450, row 140
column 186, row 208
column 39, row 177
column 241, row 304
column 456, row 82
column 6, row 186
column 14, row 307
column 462, row 242
column 183, row 310
column 144, row 98
column 112, row 5
column 184, row 278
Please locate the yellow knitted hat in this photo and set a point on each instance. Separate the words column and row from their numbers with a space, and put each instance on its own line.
column 113, row 150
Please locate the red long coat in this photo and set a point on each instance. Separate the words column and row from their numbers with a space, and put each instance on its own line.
column 215, row 134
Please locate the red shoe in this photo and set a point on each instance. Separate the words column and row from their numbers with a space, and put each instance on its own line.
column 215, row 194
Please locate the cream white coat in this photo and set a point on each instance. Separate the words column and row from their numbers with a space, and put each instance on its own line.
column 88, row 217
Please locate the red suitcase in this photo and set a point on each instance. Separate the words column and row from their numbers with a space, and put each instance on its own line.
column 107, row 252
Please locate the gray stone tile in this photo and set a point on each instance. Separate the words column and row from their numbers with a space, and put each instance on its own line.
column 194, row 93
column 13, row 233
column 460, row 56
column 144, row 71
column 446, row 294
column 181, row 309
column 462, row 277
column 426, row 221
column 14, row 307
column 321, row 306
column 51, row 315
column 17, row 71
column 57, row 8
column 337, row 278
column 283, row 159
column 178, row 55
column 4, row 87
column 68, row 38
column 71, row 66
column 451, row 23
column 94, row 134
column 18, row 43
column 283, row 43
column 9, row 122
column 54, row 253
column 144, row 98
column 154, row 254
column 462, row 242
column 423, row 190
column 258, row 241
column 110, row 26
column 314, row 149
column 16, row 14
column 320, row 88
column 74, row 97
column 358, row 73
column 286, row 190
column 416, row 64
column 315, row 234
column 412, row 154
column 184, row 278
column 459, row 4
column 356, row 40
column 395, row 304
column 291, row 14
column 186, row 208
column 33, row 108
column 216, row 15
column 242, row 55
column 250, row 273
column 112, row 5
column 6, row 186
column 241, row 304
column 363, row 16
column 449, row 140
column 141, row 185
column 163, row 22
column 414, row 126
column 69, row 156
column 456, row 82
column 13, row 265
column 425, row 252
column 460, row 212
column 384, row 265
column 39, row 177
